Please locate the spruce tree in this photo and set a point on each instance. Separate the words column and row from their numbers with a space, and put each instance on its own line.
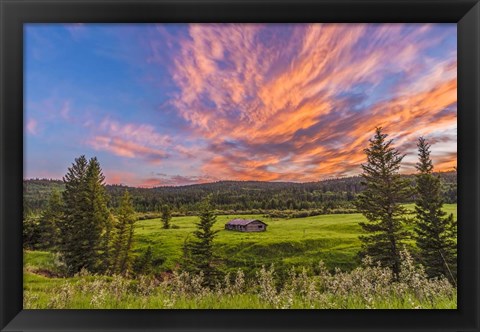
column 49, row 222
column 166, row 216
column 144, row 263
column 435, row 231
column 381, row 203
column 74, row 244
column 201, row 253
column 123, row 236
column 97, row 216
column 85, row 215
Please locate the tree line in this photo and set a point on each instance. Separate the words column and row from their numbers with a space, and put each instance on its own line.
column 233, row 197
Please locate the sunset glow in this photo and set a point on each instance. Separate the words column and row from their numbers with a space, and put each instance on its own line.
column 178, row 104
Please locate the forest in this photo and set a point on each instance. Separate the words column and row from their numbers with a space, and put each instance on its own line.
column 327, row 196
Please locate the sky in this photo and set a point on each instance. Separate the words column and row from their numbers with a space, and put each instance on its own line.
column 179, row 104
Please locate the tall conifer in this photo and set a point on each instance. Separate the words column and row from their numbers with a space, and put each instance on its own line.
column 97, row 215
column 381, row 201
column 123, row 236
column 85, row 216
column 201, row 253
column 49, row 222
column 73, row 243
column 435, row 231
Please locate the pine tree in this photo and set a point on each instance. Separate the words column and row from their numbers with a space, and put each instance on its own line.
column 381, row 201
column 49, row 221
column 123, row 236
column 201, row 253
column 166, row 216
column 435, row 231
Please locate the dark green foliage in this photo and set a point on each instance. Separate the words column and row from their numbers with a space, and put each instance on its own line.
column 380, row 202
column 199, row 253
column 31, row 232
column 435, row 231
column 36, row 194
column 108, row 238
column 123, row 237
column 166, row 216
column 74, row 229
column 97, row 214
column 233, row 197
column 49, row 221
column 85, row 217
column 144, row 263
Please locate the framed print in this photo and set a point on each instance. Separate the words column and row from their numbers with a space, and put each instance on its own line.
column 249, row 166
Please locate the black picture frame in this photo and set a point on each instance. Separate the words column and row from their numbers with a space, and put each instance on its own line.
column 14, row 13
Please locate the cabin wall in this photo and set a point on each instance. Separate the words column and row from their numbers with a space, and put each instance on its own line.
column 255, row 227
column 252, row 227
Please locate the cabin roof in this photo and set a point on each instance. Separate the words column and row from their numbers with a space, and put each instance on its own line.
column 243, row 222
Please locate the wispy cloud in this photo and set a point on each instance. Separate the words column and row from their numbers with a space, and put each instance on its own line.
column 300, row 101
column 130, row 140
column 127, row 149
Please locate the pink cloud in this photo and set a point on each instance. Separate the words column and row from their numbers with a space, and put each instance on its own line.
column 127, row 149
column 140, row 133
column 120, row 177
column 174, row 180
column 129, row 140
column 32, row 126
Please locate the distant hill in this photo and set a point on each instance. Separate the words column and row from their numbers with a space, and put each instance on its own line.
column 231, row 195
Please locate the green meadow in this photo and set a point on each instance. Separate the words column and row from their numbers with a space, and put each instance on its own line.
column 332, row 238
column 287, row 243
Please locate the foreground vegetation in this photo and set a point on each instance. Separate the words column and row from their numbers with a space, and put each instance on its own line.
column 367, row 287
column 295, row 248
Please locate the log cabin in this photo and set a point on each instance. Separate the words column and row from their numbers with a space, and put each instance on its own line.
column 246, row 225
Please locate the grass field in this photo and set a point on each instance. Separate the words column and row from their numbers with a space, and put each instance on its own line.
column 304, row 241
column 301, row 242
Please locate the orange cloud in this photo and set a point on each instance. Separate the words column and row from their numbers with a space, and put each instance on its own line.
column 300, row 101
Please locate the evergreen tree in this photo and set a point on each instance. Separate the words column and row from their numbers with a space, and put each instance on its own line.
column 97, row 216
column 200, row 249
column 85, row 215
column 144, row 263
column 435, row 231
column 107, row 243
column 49, row 221
column 74, row 229
column 123, row 236
column 381, row 201
column 31, row 233
column 166, row 217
